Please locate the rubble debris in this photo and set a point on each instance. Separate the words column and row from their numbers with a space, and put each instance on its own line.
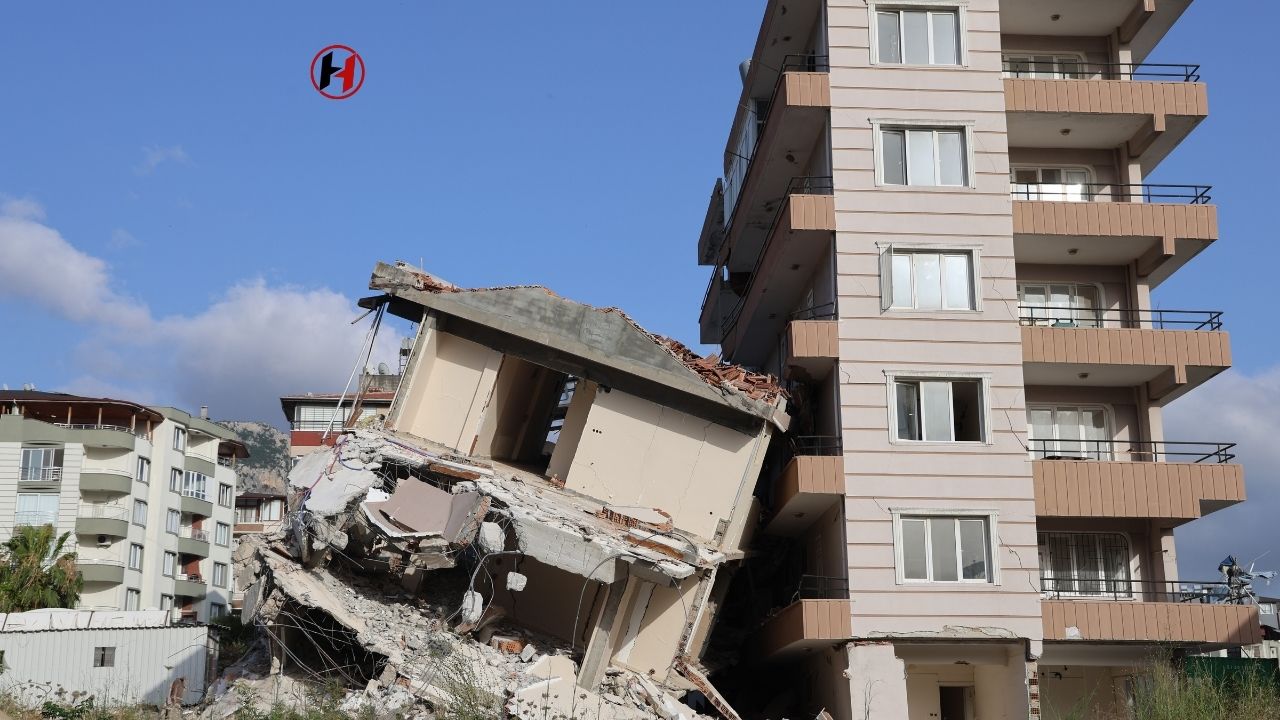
column 492, row 538
column 516, row 582
column 638, row 517
column 700, row 681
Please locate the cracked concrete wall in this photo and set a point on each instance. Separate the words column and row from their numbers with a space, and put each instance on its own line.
column 637, row 452
column 652, row 624
column 453, row 379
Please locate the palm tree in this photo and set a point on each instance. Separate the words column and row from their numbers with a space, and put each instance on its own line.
column 35, row 573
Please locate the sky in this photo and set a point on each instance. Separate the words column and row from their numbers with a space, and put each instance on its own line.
column 184, row 220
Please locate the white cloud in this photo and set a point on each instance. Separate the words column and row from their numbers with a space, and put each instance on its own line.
column 1243, row 409
column 21, row 208
column 153, row 156
column 122, row 239
column 238, row 355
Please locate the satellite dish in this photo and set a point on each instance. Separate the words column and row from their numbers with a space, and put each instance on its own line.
column 383, row 369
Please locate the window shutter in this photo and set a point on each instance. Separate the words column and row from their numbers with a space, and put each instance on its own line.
column 886, row 277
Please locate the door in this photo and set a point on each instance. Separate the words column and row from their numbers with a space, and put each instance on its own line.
column 1069, row 432
column 954, row 703
column 1055, row 184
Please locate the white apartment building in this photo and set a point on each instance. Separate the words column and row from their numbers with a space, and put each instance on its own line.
column 148, row 495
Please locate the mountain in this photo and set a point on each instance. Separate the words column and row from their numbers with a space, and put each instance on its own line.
column 268, row 464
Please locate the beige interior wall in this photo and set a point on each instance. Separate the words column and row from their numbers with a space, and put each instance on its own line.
column 516, row 417
column 450, row 389
column 1071, row 691
column 550, row 601
column 636, row 452
column 827, row 686
column 824, row 547
column 575, row 421
column 661, row 626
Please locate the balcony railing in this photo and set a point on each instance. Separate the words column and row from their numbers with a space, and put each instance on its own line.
column 39, row 473
column 97, row 426
column 226, row 461
column 109, row 562
column 1060, row 69
column 820, row 587
column 194, row 534
column 35, row 518
column 1099, row 588
column 816, row 445
column 825, row 311
column 197, row 494
column 1039, row 315
column 1112, row 192
column 191, row 577
column 1132, row 451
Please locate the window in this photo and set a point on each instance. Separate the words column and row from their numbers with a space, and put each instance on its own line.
column 927, row 280
column 140, row 513
column 143, row 474
column 217, row 610
column 222, row 534
column 923, row 156
column 135, row 557
column 166, row 602
column 1084, row 564
column 270, row 510
column 195, row 485
column 918, row 36
column 168, row 567
column 1060, row 305
column 1049, row 67
column 173, row 521
column 1061, row 184
column 41, row 464
column 36, row 509
column 313, row 417
column 940, row 410
column 1075, row 432
column 226, row 496
column 945, row 548
column 105, row 656
column 180, row 439
column 219, row 575
column 175, row 479
column 132, row 599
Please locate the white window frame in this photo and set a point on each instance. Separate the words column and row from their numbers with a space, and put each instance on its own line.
column 169, row 563
column 228, row 492
column 893, row 377
column 993, row 547
column 166, row 602
column 1008, row 55
column 180, row 439
column 145, row 507
column 961, row 8
column 1098, row 288
column 1108, row 422
column 966, row 128
column 1129, row 568
column 143, row 471
column 1090, row 181
column 222, row 534
column 136, row 553
column 176, row 476
column 220, row 571
column 886, row 251
column 170, row 526
column 132, row 599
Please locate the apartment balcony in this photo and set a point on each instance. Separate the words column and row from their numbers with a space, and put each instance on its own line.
column 811, row 483
column 1106, row 610
column 1174, row 481
column 118, row 482
column 190, row 585
column 195, row 502
column 819, row 615
column 199, row 463
column 35, row 518
column 751, row 295
column 100, row 435
column 36, row 476
column 100, row 571
column 1158, row 227
column 194, row 542
column 106, row 520
column 1140, row 24
column 813, row 342
column 1167, row 351
column 1146, row 109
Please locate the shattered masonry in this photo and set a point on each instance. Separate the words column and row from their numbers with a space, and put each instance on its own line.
column 543, row 513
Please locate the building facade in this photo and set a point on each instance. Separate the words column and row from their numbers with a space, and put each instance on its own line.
column 934, row 222
column 148, row 495
column 316, row 419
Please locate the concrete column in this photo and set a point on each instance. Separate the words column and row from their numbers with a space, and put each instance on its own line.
column 877, row 682
column 600, row 648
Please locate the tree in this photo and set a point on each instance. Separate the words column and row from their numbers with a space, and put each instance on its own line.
column 35, row 573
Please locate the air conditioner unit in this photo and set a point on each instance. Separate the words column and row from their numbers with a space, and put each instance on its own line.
column 103, row 541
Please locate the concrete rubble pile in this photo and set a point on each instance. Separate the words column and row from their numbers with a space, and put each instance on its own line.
column 384, row 578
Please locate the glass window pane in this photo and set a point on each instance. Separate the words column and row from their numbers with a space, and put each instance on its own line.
column 942, row 543
column 1017, row 67
column 902, row 281
column 1094, row 425
column 894, row 156
column 908, row 411
column 1068, row 428
column 888, row 42
column 928, row 276
column 920, row 162
column 957, row 282
column 935, row 399
column 915, row 37
column 951, row 158
column 913, row 555
column 973, row 549
column 945, row 38
column 1041, row 422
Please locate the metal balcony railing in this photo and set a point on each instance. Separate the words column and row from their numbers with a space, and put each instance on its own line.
column 825, row 311
column 38, row 473
column 191, row 577
column 1060, row 69
column 35, row 518
column 816, row 445
column 194, row 534
column 1112, row 192
column 197, row 494
column 820, row 587
column 97, row 426
column 1132, row 451
column 106, row 512
column 1042, row 316
column 81, row 560
column 1082, row 587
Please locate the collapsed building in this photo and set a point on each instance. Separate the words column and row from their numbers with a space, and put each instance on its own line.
column 549, row 477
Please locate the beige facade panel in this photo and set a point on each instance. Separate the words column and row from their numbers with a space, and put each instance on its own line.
column 805, row 89
column 1149, row 621
column 1177, row 491
column 1106, row 96
column 806, row 624
column 807, row 488
column 813, row 345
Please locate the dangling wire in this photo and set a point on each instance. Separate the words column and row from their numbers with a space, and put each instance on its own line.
column 368, row 352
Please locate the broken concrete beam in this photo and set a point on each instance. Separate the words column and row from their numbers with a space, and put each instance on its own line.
column 700, row 681
column 638, row 517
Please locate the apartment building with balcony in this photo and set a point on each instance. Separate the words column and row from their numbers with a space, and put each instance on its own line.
column 314, row 417
column 148, row 495
column 934, row 221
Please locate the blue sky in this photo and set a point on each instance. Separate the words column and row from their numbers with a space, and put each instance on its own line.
column 209, row 217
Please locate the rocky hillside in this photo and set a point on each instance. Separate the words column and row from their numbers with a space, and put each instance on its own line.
column 268, row 463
